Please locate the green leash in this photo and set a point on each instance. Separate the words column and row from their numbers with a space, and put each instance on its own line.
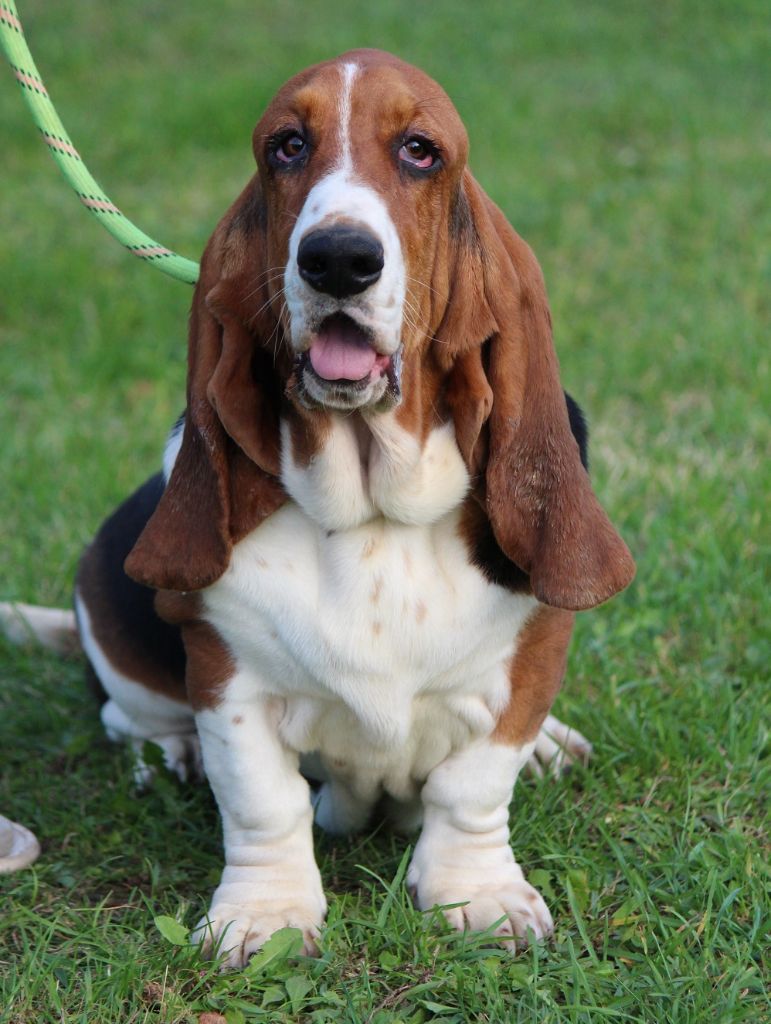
column 70, row 163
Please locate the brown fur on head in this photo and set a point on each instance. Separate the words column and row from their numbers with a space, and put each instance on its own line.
column 476, row 338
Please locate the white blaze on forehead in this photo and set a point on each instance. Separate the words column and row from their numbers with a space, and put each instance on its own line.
column 347, row 73
column 344, row 193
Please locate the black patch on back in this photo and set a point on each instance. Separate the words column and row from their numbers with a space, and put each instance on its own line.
column 125, row 609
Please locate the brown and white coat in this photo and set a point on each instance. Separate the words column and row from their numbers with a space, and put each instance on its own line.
column 374, row 525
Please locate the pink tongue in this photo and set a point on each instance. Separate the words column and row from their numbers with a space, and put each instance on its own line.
column 340, row 352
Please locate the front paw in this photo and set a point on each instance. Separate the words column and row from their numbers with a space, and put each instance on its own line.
column 239, row 923
column 502, row 902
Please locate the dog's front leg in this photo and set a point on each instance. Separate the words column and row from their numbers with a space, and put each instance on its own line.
column 270, row 880
column 463, row 854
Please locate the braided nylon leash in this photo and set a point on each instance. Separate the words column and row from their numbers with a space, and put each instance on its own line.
column 70, row 163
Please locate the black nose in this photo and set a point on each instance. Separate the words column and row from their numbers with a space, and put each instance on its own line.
column 340, row 261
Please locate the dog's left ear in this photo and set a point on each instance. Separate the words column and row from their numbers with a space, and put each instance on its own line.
column 225, row 478
column 511, row 418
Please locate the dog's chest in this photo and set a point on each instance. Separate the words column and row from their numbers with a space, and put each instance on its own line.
column 380, row 637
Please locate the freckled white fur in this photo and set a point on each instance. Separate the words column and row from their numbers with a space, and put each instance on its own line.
column 368, row 632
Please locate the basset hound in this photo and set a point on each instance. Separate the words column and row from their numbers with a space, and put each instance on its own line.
column 362, row 560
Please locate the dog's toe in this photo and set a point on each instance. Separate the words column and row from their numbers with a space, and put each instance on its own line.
column 503, row 905
column 238, row 932
column 511, row 915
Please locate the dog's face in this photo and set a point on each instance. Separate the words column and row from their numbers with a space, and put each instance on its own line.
column 358, row 158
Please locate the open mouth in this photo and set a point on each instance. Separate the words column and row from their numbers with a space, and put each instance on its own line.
column 342, row 352
column 343, row 370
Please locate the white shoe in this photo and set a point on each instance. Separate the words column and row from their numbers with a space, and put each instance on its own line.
column 18, row 846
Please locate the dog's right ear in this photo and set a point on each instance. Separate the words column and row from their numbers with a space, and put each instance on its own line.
column 511, row 420
column 225, row 477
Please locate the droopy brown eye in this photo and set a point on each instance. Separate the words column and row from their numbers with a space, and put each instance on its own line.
column 418, row 152
column 289, row 148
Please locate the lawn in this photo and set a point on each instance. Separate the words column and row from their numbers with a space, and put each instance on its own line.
column 629, row 143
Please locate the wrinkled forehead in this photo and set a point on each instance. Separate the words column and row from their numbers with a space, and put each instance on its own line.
column 365, row 94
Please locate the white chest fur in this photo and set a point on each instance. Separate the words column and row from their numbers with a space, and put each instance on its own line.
column 386, row 646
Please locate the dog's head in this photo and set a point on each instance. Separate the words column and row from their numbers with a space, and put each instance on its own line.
column 360, row 160
column 363, row 269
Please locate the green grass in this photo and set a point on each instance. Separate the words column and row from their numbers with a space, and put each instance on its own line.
column 629, row 143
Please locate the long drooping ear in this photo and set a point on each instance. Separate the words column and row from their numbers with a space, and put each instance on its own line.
column 225, row 478
column 512, row 422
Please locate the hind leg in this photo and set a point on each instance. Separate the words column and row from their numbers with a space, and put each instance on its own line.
column 138, row 658
column 557, row 747
column 137, row 712
column 181, row 750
